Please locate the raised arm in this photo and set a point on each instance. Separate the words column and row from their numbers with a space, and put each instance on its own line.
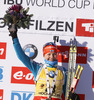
column 30, row 64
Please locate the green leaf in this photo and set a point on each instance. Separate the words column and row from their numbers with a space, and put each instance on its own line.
column 21, row 10
column 27, row 10
column 8, row 19
column 31, row 15
column 26, row 24
column 19, row 24
column 23, row 22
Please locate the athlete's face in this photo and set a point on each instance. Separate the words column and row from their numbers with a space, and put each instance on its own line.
column 51, row 56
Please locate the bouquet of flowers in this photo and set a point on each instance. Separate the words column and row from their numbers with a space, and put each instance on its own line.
column 18, row 16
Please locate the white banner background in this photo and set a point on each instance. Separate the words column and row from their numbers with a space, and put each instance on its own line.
column 46, row 10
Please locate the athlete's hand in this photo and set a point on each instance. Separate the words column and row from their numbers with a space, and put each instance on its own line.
column 13, row 31
column 73, row 96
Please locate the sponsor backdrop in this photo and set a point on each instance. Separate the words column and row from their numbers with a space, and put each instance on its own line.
column 64, row 18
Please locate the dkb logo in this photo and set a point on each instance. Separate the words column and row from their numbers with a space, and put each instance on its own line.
column 22, row 95
column 1, row 73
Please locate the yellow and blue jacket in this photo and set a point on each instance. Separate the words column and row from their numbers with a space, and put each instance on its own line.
column 40, row 79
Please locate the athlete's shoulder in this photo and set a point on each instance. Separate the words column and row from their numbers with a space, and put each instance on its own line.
column 61, row 68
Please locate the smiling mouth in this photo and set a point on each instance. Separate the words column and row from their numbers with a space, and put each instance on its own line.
column 52, row 59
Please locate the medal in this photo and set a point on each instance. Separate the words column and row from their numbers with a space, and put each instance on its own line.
column 50, row 89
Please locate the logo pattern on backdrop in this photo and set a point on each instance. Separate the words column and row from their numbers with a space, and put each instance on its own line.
column 22, row 95
column 1, row 73
column 1, row 94
column 85, row 27
column 21, row 75
column 30, row 50
column 2, row 50
column 63, row 54
column 93, row 80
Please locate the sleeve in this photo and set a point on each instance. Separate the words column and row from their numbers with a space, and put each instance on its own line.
column 31, row 65
column 64, row 72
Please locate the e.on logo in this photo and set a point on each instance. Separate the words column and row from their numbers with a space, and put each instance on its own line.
column 21, row 75
column 1, row 94
column 2, row 50
column 63, row 54
column 85, row 27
